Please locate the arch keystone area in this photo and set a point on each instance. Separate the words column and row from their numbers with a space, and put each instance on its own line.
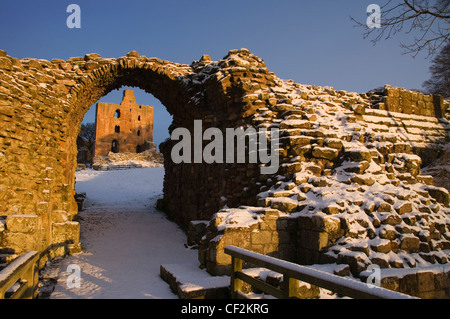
column 349, row 188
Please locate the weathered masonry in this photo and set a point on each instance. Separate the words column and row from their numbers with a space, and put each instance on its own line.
column 42, row 104
column 349, row 190
column 127, row 127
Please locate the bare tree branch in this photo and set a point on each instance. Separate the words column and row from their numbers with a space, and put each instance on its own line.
column 438, row 14
column 430, row 19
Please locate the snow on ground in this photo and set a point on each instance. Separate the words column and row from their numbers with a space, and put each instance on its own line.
column 125, row 239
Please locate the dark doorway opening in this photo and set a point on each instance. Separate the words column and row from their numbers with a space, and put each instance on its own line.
column 115, row 146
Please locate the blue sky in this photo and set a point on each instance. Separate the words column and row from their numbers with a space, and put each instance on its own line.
column 310, row 42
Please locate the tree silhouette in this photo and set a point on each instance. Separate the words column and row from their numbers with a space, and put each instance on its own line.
column 439, row 83
column 88, row 133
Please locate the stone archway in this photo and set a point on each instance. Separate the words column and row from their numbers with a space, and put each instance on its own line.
column 42, row 104
column 189, row 92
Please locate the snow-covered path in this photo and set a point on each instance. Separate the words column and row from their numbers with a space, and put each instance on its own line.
column 125, row 239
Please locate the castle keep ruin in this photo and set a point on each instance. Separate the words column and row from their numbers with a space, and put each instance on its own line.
column 349, row 190
column 124, row 128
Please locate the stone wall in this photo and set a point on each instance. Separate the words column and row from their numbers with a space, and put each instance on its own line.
column 400, row 100
column 349, row 189
column 428, row 283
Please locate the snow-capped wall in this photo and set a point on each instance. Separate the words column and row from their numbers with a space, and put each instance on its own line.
column 348, row 190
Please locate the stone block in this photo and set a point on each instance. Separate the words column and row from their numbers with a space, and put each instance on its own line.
column 216, row 254
column 261, row 237
column 325, row 153
column 409, row 243
column 334, row 143
column 384, row 207
column 59, row 216
column 305, row 222
column 357, row 261
column 408, row 284
column 425, row 281
column 307, row 256
column 316, row 170
column 363, row 180
column 357, row 155
column 442, row 281
column 320, row 223
column 286, row 224
column 403, row 207
column 306, row 291
column 391, row 218
column 328, row 224
column 387, row 232
column 6, row 63
column 391, row 283
column 196, row 230
column 290, row 168
column 22, row 223
column 284, row 204
column 380, row 260
column 357, row 167
column 20, row 242
column 313, row 240
column 91, row 56
column 42, row 208
column 440, row 194
column 381, row 245
column 65, row 234
column 6, row 109
column 333, row 209
column 342, row 270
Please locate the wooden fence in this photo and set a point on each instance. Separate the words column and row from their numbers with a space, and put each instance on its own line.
column 19, row 280
column 292, row 273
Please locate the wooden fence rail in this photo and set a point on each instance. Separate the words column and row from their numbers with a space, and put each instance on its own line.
column 19, row 280
column 292, row 273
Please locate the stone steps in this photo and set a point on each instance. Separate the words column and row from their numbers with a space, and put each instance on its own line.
column 188, row 281
column 415, row 126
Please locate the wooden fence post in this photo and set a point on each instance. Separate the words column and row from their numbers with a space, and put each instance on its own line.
column 236, row 284
column 290, row 287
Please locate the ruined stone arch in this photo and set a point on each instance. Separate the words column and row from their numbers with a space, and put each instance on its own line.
column 160, row 78
column 189, row 92
column 43, row 104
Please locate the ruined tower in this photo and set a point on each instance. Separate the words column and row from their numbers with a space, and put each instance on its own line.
column 124, row 128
